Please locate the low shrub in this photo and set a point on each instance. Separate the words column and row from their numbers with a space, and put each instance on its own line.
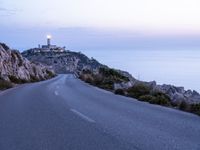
column 16, row 80
column 50, row 74
column 89, row 80
column 159, row 99
column 146, row 98
column 183, row 106
column 138, row 90
column 113, row 74
column 34, row 79
column 105, row 78
column 174, row 104
column 5, row 84
column 119, row 92
column 106, row 86
column 195, row 108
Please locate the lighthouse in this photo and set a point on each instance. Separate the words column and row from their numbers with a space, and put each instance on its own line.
column 49, row 41
column 49, row 47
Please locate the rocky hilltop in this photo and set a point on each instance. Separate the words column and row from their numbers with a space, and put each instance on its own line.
column 14, row 68
column 63, row 62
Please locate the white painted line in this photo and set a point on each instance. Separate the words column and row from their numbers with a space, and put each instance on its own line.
column 56, row 93
column 82, row 116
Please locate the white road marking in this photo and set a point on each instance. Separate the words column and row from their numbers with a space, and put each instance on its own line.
column 56, row 93
column 82, row 116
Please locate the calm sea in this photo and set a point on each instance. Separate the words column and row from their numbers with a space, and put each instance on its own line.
column 176, row 67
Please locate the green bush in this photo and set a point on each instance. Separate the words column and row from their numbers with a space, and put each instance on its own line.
column 174, row 104
column 104, row 79
column 113, row 74
column 119, row 92
column 89, row 80
column 106, row 86
column 34, row 79
column 183, row 106
column 160, row 99
column 5, row 84
column 195, row 108
column 50, row 74
column 146, row 98
column 16, row 80
column 86, row 71
column 138, row 90
column 97, row 80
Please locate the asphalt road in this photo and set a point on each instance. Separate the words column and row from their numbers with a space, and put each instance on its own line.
column 65, row 113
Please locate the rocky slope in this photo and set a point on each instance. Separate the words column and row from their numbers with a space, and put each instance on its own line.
column 63, row 62
column 15, row 68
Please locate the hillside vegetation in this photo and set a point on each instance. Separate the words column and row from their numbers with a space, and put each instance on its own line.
column 106, row 78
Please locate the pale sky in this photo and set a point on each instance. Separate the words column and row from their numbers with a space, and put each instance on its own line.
column 112, row 20
column 146, row 15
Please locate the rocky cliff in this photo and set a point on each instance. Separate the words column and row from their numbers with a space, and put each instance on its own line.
column 17, row 69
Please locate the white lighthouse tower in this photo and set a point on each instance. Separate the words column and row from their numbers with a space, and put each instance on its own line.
column 49, row 41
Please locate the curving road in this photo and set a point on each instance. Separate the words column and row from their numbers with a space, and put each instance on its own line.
column 65, row 113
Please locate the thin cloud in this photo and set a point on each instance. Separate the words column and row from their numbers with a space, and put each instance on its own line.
column 7, row 12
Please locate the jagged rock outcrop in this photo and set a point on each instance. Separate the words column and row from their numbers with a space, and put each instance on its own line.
column 63, row 62
column 176, row 94
column 15, row 68
column 179, row 93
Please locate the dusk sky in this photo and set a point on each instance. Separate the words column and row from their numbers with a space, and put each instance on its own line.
column 94, row 23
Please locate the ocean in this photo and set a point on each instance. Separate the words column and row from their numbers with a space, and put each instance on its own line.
column 175, row 67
